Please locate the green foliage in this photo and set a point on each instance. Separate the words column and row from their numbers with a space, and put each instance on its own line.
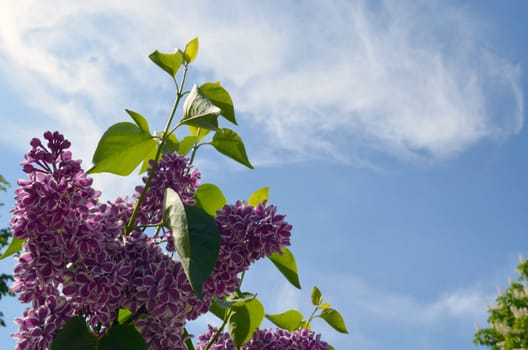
column 290, row 320
column 245, row 317
column 227, row 142
column 220, row 98
column 14, row 247
column 169, row 62
column 199, row 111
column 74, row 335
column 210, row 198
column 122, row 337
column 259, row 196
column 191, row 50
column 122, row 148
column 196, row 238
column 508, row 319
column 287, row 265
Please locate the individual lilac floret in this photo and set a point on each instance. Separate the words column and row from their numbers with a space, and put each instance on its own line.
column 266, row 339
column 173, row 171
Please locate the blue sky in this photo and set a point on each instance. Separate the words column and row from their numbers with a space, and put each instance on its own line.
column 391, row 134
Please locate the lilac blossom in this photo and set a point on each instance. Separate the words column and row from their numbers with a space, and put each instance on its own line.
column 172, row 171
column 76, row 259
column 266, row 339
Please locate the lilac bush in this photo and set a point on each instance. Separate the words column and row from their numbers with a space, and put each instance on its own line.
column 130, row 273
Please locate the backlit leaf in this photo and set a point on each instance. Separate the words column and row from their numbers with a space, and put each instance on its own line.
column 244, row 320
column 317, row 297
column 191, row 50
column 169, row 62
column 14, row 247
column 289, row 320
column 220, row 98
column 259, row 196
column 122, row 148
column 334, row 319
column 227, row 142
column 210, row 198
column 287, row 265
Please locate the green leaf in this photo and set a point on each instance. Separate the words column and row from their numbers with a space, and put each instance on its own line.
column 188, row 340
column 199, row 111
column 196, row 238
column 317, row 297
column 14, row 247
column 199, row 132
column 227, row 142
column 244, row 320
column 122, row 148
column 210, row 198
column 170, row 63
column 289, row 320
column 123, row 315
column 334, row 319
column 171, row 144
column 218, row 308
column 259, row 196
column 175, row 218
column 74, row 335
column 122, row 337
column 286, row 264
column 191, row 50
column 220, row 98
column 140, row 121
column 205, row 245
column 187, row 144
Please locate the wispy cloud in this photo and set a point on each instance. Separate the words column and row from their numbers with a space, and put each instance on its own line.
column 337, row 79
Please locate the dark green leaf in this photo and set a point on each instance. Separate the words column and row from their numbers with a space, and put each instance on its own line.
column 188, row 340
column 187, row 144
column 170, row 63
column 220, row 98
column 317, row 297
column 14, row 247
column 244, row 320
column 227, row 142
column 334, row 319
column 205, row 244
column 330, row 347
column 191, row 50
column 196, row 238
column 199, row 111
column 122, row 337
column 259, row 196
column 140, row 121
column 74, row 335
column 286, row 264
column 122, row 148
column 289, row 320
column 210, row 198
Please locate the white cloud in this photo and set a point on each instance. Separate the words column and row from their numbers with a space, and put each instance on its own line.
column 335, row 79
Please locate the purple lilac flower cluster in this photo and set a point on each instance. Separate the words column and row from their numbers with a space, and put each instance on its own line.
column 76, row 259
column 266, row 339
